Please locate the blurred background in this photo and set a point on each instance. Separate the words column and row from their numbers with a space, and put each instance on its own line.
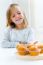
column 36, row 8
column 33, row 10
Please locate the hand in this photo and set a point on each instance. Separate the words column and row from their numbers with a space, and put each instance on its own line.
column 23, row 42
column 35, row 42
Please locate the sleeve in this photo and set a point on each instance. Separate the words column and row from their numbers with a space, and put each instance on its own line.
column 31, row 36
column 6, row 43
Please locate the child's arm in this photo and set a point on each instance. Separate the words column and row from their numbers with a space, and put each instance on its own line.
column 6, row 43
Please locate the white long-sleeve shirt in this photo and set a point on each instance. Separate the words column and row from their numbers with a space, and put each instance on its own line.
column 13, row 36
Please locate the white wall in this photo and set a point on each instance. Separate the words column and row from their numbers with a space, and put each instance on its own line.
column 37, row 18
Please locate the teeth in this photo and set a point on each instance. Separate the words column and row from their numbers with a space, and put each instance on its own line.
column 18, row 19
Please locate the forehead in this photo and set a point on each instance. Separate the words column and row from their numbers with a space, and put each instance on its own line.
column 15, row 9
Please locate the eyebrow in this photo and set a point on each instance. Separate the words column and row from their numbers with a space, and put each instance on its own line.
column 18, row 11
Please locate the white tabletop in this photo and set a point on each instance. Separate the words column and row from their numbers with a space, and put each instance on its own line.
column 8, row 57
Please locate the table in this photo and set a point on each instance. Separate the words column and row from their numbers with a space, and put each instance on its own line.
column 8, row 57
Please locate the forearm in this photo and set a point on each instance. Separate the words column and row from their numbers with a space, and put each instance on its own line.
column 9, row 44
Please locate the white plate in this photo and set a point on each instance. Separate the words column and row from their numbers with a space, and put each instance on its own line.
column 28, row 57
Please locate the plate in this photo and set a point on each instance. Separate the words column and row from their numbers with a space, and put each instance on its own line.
column 28, row 57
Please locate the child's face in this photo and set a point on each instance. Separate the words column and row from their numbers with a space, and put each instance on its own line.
column 17, row 16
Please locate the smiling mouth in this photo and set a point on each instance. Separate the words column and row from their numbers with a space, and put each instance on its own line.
column 18, row 19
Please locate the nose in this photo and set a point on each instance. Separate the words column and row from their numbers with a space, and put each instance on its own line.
column 17, row 16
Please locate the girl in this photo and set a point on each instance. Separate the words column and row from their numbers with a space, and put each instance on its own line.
column 17, row 30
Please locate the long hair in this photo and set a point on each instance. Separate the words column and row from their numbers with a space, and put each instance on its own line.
column 9, row 22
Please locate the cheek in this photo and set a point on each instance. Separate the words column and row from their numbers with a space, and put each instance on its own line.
column 13, row 19
column 21, row 16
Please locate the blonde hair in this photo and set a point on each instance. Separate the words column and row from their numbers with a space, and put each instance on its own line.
column 9, row 22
